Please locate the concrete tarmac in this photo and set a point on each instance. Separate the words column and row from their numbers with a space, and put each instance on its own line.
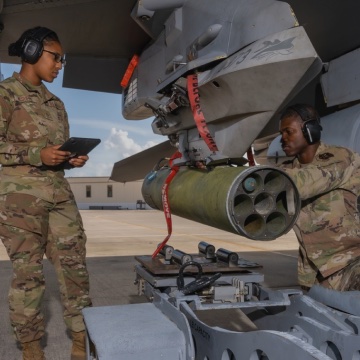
column 114, row 238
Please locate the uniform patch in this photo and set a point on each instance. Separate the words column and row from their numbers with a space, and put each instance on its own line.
column 325, row 156
column 23, row 98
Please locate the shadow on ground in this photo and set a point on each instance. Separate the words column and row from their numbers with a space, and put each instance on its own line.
column 112, row 283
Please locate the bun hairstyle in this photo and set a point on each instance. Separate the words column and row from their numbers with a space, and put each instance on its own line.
column 14, row 49
column 30, row 45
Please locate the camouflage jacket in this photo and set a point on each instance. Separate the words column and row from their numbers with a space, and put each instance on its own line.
column 31, row 118
column 328, row 227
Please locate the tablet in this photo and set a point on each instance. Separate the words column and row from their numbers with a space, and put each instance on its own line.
column 79, row 146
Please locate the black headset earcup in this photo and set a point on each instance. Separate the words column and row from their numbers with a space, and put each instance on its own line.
column 32, row 51
column 311, row 127
column 32, row 47
column 312, row 131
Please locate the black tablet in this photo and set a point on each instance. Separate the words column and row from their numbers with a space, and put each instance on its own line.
column 79, row 146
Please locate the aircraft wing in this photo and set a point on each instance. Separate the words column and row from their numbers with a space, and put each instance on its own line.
column 99, row 37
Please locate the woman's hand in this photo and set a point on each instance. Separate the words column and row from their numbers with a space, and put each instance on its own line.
column 51, row 156
column 79, row 161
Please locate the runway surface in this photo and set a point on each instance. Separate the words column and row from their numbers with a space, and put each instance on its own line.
column 114, row 238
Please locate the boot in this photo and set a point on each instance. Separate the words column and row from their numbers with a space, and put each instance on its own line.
column 78, row 351
column 32, row 351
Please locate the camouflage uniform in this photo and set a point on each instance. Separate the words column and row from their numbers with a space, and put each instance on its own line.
column 38, row 213
column 328, row 227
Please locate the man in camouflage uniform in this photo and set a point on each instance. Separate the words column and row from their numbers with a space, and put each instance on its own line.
column 328, row 180
column 38, row 213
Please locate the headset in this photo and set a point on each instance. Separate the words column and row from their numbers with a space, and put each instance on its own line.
column 311, row 128
column 32, row 46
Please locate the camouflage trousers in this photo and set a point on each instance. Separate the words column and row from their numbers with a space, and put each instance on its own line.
column 32, row 227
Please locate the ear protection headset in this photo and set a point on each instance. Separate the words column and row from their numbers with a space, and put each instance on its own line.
column 311, row 128
column 32, row 46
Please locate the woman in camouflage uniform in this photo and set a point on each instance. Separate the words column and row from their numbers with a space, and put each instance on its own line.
column 328, row 180
column 38, row 213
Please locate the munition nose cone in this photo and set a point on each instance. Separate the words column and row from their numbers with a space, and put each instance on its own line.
column 249, row 184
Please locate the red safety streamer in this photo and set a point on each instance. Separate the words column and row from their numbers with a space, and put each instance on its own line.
column 165, row 201
column 194, row 98
column 250, row 157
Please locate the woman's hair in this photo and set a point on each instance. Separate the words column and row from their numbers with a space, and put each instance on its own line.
column 38, row 34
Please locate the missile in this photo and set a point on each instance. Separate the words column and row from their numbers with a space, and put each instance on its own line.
column 260, row 202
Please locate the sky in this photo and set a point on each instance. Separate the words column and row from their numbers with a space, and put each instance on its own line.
column 98, row 115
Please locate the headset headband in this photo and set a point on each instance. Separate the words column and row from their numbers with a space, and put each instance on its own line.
column 304, row 113
column 38, row 35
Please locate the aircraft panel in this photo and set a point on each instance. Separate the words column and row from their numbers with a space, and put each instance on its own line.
column 137, row 166
column 332, row 25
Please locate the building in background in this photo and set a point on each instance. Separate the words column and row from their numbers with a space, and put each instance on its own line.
column 101, row 193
